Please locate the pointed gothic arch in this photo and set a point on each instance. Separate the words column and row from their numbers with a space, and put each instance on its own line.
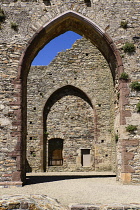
column 68, row 90
column 69, row 20
column 80, row 24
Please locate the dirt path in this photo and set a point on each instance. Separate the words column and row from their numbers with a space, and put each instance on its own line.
column 69, row 189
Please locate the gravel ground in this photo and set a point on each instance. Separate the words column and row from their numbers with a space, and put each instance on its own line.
column 68, row 189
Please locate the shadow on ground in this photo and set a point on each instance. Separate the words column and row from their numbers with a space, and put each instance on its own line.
column 42, row 179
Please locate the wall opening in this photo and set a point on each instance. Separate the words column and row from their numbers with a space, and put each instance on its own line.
column 88, row 3
column 68, row 113
column 55, row 152
column 47, row 2
column 70, row 117
column 67, row 21
column 85, row 157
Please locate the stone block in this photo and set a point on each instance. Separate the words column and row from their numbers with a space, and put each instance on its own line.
column 16, row 176
column 126, row 178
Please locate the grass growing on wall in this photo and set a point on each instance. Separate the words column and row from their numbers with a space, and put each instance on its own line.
column 123, row 24
column 131, row 128
column 138, row 106
column 135, row 86
column 124, row 76
column 129, row 47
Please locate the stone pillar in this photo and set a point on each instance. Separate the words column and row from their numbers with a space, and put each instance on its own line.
column 126, row 156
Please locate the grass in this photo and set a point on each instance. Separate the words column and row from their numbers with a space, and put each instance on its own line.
column 135, row 86
column 124, row 76
column 123, row 24
column 131, row 128
column 129, row 47
column 138, row 106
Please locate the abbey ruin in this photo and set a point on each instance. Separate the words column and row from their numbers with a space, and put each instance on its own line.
column 82, row 111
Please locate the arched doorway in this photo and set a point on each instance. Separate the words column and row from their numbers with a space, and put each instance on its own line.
column 69, row 115
column 66, row 21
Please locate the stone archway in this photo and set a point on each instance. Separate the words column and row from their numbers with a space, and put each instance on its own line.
column 69, row 20
column 76, row 22
column 77, row 101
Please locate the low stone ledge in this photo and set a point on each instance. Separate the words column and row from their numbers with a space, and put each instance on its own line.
column 29, row 202
column 8, row 184
column 43, row 202
column 114, row 206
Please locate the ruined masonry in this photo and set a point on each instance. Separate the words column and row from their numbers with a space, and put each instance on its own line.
column 82, row 111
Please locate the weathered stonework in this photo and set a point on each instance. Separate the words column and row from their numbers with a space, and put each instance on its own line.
column 37, row 25
column 42, row 202
column 32, row 202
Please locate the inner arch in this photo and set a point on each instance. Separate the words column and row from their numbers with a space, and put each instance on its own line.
column 65, row 95
column 64, row 91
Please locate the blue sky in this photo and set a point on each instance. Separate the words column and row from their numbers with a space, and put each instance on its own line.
column 60, row 43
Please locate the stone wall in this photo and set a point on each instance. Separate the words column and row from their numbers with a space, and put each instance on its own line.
column 32, row 202
column 42, row 202
column 81, row 112
column 103, row 206
column 32, row 16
